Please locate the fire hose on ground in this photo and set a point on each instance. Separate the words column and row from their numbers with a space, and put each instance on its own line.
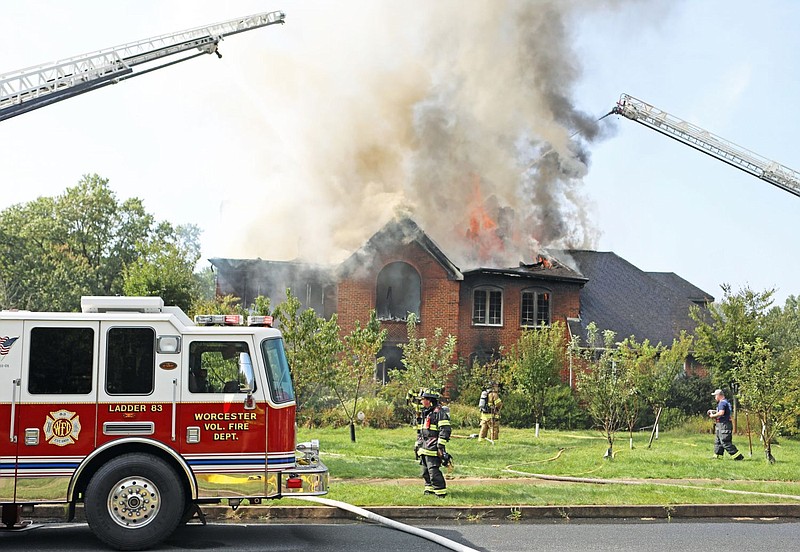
column 433, row 537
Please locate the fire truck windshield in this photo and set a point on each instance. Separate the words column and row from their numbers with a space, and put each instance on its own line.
column 280, row 380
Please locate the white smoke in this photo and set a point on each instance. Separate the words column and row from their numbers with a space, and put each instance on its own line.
column 430, row 109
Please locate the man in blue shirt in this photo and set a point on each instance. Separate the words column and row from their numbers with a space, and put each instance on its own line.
column 723, row 439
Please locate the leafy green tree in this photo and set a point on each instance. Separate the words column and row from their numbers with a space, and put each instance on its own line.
column 650, row 371
column 205, row 284
column 783, row 329
column 768, row 388
column 223, row 304
column 355, row 368
column 165, row 267
column 727, row 327
column 312, row 347
column 631, row 366
column 55, row 249
column 428, row 364
column 535, row 362
column 600, row 384
column 262, row 306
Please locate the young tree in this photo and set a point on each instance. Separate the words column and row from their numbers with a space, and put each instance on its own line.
column 428, row 364
column 651, row 370
column 356, row 366
column 768, row 388
column 312, row 346
column 631, row 367
column 535, row 361
column 600, row 385
column 669, row 365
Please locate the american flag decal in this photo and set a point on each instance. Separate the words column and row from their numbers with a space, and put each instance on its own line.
column 6, row 343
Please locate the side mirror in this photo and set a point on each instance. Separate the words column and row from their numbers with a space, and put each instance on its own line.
column 247, row 376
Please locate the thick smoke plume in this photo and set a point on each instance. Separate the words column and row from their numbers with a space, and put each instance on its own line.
column 457, row 114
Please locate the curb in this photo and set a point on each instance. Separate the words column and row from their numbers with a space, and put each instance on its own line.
column 57, row 512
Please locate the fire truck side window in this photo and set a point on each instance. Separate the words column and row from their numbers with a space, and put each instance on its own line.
column 130, row 361
column 61, row 361
column 214, row 366
column 280, row 380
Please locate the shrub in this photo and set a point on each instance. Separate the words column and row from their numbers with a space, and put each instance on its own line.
column 691, row 394
column 378, row 414
column 395, row 393
column 464, row 416
column 562, row 410
column 697, row 424
column 516, row 411
column 672, row 418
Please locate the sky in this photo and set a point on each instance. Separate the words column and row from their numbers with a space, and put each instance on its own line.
column 306, row 138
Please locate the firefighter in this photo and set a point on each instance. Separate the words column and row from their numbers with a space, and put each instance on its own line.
column 430, row 448
column 490, row 405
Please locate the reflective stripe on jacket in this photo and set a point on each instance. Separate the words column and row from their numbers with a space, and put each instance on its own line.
column 435, row 431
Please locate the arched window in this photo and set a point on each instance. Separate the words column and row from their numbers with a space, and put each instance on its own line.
column 535, row 307
column 399, row 291
column 487, row 306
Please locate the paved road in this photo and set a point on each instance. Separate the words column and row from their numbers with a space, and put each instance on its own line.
column 573, row 536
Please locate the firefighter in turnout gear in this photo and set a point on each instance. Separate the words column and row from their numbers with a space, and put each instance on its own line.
column 490, row 405
column 433, row 436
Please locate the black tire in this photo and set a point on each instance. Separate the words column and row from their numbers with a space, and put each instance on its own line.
column 134, row 502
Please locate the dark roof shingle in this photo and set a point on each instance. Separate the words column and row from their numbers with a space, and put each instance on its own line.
column 622, row 298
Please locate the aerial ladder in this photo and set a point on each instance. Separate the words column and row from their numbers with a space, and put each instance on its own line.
column 41, row 85
column 776, row 174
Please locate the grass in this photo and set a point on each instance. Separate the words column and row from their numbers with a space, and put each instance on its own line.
column 379, row 469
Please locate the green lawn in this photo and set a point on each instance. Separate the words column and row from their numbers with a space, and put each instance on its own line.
column 379, row 469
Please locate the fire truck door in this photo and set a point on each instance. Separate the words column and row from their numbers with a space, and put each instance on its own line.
column 57, row 406
column 10, row 370
column 222, row 421
column 139, row 384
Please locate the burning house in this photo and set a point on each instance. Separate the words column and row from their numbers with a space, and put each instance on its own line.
column 401, row 270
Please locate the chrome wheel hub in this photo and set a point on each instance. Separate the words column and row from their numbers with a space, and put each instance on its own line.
column 134, row 502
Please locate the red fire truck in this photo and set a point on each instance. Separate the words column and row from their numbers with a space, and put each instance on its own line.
column 142, row 415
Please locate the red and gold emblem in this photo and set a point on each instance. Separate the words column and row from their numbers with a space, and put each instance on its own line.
column 62, row 428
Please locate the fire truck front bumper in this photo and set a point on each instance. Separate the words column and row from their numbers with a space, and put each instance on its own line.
column 309, row 477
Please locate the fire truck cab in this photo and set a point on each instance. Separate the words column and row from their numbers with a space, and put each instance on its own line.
column 140, row 414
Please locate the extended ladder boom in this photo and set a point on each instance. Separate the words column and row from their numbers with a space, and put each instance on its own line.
column 694, row 136
column 35, row 87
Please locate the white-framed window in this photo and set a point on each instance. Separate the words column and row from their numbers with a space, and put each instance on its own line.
column 535, row 307
column 487, row 306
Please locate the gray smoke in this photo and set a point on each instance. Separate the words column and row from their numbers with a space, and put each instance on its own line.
column 457, row 114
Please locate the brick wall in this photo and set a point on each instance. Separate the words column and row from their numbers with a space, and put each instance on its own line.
column 439, row 294
column 447, row 303
column 485, row 340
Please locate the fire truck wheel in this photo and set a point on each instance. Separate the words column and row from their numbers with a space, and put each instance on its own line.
column 134, row 502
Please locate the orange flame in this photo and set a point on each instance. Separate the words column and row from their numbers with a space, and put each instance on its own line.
column 483, row 230
column 544, row 261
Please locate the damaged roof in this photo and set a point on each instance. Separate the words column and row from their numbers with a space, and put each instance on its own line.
column 399, row 231
column 546, row 268
column 629, row 301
